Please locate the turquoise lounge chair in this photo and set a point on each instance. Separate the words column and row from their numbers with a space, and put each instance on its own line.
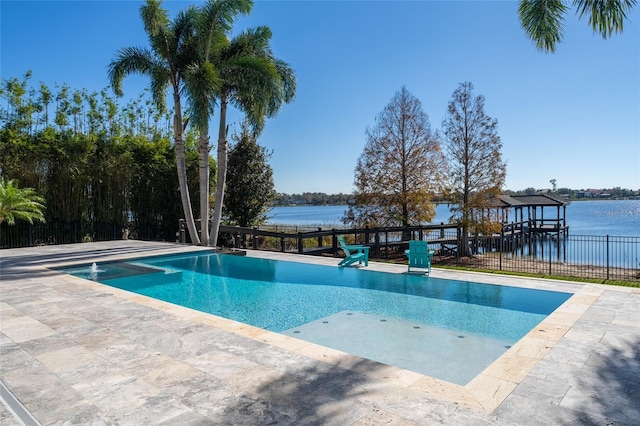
column 353, row 253
column 419, row 255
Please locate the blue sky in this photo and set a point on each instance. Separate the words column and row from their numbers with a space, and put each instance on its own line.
column 573, row 116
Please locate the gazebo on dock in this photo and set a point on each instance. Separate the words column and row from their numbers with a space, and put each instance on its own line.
column 535, row 221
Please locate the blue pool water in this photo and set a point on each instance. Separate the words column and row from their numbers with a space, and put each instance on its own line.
column 447, row 329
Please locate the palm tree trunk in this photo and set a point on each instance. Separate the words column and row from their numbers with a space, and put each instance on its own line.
column 222, row 173
column 182, row 171
column 203, row 151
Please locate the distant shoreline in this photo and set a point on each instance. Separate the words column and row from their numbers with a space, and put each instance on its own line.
column 637, row 197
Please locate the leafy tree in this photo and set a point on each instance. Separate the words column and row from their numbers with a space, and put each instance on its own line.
column 397, row 173
column 62, row 108
column 154, row 198
column 16, row 203
column 110, row 179
column 476, row 172
column 543, row 21
column 253, row 80
column 45, row 99
column 166, row 63
column 250, row 189
column 67, row 168
column 20, row 107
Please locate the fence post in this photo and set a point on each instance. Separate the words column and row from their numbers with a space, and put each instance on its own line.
column 607, row 256
column 334, row 242
column 300, row 247
column 501, row 247
column 255, row 239
column 458, row 244
column 550, row 257
column 386, row 244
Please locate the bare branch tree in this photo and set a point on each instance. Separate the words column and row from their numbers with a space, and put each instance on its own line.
column 476, row 172
column 397, row 172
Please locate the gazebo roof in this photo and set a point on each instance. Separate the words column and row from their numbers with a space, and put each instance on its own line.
column 505, row 201
column 537, row 200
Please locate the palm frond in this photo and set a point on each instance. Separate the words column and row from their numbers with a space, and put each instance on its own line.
column 542, row 21
column 153, row 16
column 129, row 60
column 222, row 13
column 288, row 80
column 252, row 41
column 183, row 30
column 606, row 17
column 160, row 80
column 156, row 24
column 19, row 203
column 202, row 82
column 216, row 19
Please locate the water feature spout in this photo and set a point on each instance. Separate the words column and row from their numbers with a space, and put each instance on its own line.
column 94, row 268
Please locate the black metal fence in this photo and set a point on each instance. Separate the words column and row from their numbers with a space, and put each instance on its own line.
column 587, row 256
column 24, row 234
column 597, row 257
column 547, row 254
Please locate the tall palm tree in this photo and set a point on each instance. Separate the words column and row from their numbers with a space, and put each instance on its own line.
column 542, row 20
column 254, row 81
column 172, row 51
column 214, row 20
column 16, row 203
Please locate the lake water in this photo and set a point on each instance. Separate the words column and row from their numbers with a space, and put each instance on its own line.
column 609, row 217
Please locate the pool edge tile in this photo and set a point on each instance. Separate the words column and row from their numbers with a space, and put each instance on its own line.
column 490, row 391
column 447, row 391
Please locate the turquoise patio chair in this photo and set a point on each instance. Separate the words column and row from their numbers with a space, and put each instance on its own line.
column 353, row 253
column 419, row 255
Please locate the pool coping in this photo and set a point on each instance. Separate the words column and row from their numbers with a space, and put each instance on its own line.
column 484, row 393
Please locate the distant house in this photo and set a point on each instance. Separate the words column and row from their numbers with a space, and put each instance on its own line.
column 596, row 193
column 589, row 193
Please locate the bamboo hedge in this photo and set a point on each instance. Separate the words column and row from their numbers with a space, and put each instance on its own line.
column 92, row 159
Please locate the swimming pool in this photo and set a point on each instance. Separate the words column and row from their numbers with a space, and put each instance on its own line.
column 447, row 329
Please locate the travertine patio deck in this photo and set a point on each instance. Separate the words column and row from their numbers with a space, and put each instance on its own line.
column 77, row 352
